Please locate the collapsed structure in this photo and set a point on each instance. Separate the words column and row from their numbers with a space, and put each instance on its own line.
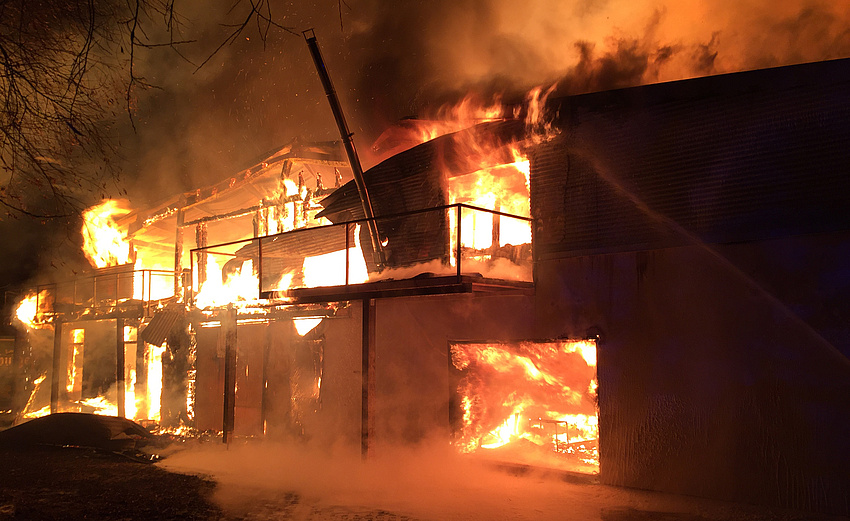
column 691, row 238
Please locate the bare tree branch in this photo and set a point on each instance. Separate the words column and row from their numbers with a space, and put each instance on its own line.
column 255, row 13
column 63, row 65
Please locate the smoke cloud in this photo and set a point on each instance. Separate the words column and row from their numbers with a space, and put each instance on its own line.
column 394, row 61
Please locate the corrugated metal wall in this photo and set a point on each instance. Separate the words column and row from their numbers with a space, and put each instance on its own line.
column 731, row 158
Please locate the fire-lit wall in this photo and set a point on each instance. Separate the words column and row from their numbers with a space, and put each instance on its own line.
column 288, row 386
column 411, row 355
column 700, row 228
column 411, row 393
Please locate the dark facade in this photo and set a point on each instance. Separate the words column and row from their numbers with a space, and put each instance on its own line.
column 701, row 229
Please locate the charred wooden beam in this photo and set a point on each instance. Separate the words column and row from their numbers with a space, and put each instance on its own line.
column 141, row 385
column 56, row 378
column 119, row 366
column 178, row 252
column 213, row 218
column 201, row 242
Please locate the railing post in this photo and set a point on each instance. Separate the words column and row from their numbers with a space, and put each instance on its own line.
column 259, row 267
column 347, row 249
column 457, row 253
column 192, row 276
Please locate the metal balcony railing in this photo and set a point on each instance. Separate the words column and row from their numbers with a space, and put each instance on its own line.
column 452, row 240
column 103, row 292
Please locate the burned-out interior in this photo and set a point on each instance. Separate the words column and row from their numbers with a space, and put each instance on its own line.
column 527, row 402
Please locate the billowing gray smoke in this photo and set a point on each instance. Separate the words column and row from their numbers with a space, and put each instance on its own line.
column 390, row 61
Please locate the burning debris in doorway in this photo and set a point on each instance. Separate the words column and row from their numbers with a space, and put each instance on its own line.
column 527, row 402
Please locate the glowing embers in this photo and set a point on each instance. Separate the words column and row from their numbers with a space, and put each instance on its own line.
column 528, row 402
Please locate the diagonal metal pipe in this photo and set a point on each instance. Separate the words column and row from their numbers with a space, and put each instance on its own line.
column 348, row 143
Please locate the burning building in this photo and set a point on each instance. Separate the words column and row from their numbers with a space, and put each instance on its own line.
column 647, row 285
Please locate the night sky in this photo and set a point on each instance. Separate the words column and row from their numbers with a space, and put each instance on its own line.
column 394, row 60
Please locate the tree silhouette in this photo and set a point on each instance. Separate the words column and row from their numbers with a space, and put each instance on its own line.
column 67, row 74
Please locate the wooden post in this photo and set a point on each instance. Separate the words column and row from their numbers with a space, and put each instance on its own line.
column 141, row 387
column 56, row 378
column 264, row 397
column 178, row 254
column 18, row 387
column 119, row 366
column 368, row 377
column 497, row 230
column 228, row 326
column 201, row 242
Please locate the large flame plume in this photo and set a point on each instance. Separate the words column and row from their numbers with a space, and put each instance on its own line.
column 27, row 310
column 104, row 243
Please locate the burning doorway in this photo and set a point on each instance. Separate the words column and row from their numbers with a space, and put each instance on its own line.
column 526, row 402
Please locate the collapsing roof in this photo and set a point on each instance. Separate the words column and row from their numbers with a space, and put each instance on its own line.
column 154, row 229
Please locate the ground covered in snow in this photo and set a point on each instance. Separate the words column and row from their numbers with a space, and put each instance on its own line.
column 259, row 481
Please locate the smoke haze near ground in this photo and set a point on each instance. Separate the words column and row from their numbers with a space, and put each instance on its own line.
column 431, row 482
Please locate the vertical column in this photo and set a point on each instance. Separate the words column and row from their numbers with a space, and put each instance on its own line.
column 120, row 386
column 18, row 356
column 459, row 249
column 264, row 397
column 497, row 229
column 259, row 268
column 201, row 242
column 178, row 253
column 56, row 378
column 141, row 386
column 368, row 377
column 228, row 326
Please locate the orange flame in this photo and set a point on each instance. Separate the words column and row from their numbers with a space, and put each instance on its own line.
column 27, row 310
column 104, row 243
column 154, row 370
column 329, row 269
column 449, row 118
column 240, row 285
column 540, row 394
